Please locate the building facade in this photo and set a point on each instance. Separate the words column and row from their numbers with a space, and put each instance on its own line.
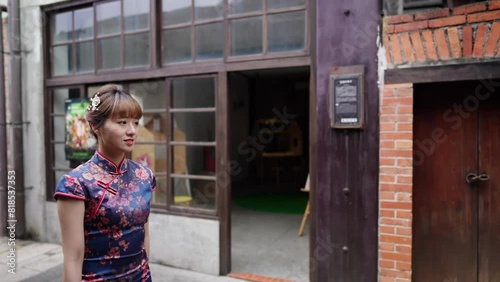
column 192, row 65
column 410, row 196
column 439, row 111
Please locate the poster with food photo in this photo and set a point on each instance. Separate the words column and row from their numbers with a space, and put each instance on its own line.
column 80, row 143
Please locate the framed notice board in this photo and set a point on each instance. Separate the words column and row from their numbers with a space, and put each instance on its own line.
column 346, row 95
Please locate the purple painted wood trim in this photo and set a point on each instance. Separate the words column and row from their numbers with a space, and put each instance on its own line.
column 345, row 240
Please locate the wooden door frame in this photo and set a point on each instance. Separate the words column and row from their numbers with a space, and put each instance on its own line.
column 223, row 172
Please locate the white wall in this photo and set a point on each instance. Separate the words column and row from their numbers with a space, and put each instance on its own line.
column 33, row 95
column 182, row 242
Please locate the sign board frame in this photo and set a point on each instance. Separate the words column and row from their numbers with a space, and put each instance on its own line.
column 346, row 97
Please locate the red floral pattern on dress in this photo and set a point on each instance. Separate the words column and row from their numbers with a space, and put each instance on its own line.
column 142, row 174
column 117, row 205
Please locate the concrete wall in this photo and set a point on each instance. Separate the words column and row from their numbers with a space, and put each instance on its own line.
column 177, row 241
column 185, row 242
column 33, row 95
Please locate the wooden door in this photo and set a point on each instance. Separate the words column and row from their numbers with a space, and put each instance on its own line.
column 489, row 191
column 444, row 206
column 455, row 223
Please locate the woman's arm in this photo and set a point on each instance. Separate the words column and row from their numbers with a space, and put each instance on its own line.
column 71, row 214
column 146, row 238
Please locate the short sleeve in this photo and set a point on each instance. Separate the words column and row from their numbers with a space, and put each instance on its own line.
column 153, row 180
column 69, row 187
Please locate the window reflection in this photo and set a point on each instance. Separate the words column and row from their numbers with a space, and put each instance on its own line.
column 84, row 24
column 63, row 27
column 135, row 14
column 286, row 32
column 177, row 45
column 209, row 9
column 176, row 11
column 246, row 36
column 109, row 18
column 245, row 6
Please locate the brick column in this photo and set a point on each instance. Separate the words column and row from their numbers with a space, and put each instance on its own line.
column 395, row 188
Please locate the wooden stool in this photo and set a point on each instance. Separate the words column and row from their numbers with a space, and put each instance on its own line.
column 307, row 211
column 304, row 218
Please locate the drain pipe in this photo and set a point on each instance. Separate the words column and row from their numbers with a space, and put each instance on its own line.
column 16, row 107
column 3, row 135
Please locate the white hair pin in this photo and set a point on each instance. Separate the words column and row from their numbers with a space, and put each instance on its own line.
column 95, row 101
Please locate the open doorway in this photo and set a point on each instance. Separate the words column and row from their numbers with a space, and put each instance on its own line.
column 269, row 123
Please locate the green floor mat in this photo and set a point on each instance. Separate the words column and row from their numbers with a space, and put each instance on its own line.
column 275, row 203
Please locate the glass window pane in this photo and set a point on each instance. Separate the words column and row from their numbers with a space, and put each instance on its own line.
column 84, row 24
column 149, row 155
column 156, row 127
column 209, row 41
column 177, row 45
column 110, row 51
column 181, row 188
column 194, row 193
column 85, row 57
column 150, row 95
column 59, row 124
column 160, row 194
column 91, row 90
column 246, row 36
column 281, row 4
column 62, row 27
column 137, row 49
column 60, row 156
column 193, row 93
column 136, row 14
column 109, row 18
column 204, row 194
column 244, row 6
column 193, row 160
column 63, row 63
column 58, row 97
column 176, row 11
column 198, row 127
column 286, row 32
column 208, row 9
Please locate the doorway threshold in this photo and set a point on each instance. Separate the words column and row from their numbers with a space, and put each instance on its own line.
column 255, row 277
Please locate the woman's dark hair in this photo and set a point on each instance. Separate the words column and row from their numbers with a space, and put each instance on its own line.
column 113, row 103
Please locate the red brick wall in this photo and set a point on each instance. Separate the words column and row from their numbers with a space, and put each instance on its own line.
column 465, row 33
column 395, row 191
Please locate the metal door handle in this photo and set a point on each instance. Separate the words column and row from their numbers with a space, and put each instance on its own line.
column 472, row 177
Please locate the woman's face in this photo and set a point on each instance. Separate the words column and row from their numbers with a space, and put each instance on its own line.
column 117, row 136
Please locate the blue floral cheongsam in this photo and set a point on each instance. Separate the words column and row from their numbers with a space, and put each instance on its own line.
column 117, row 202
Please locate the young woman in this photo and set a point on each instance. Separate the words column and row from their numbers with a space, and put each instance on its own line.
column 104, row 204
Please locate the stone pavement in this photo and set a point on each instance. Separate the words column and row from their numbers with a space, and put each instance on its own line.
column 42, row 262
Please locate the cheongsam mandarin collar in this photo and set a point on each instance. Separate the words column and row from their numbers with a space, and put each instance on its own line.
column 108, row 165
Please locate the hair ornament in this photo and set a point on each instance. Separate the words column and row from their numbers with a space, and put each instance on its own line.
column 95, row 101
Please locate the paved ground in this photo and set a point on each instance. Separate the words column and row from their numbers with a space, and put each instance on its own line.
column 41, row 262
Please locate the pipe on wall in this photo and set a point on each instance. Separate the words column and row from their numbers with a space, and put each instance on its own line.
column 16, row 108
column 3, row 135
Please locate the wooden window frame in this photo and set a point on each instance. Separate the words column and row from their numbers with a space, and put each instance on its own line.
column 210, row 213
column 156, row 67
column 50, row 141
column 214, row 68
column 192, row 25
column 52, row 11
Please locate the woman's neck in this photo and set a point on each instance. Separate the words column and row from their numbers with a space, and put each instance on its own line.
column 115, row 158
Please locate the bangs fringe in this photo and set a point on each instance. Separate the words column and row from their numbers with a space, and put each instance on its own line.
column 125, row 106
